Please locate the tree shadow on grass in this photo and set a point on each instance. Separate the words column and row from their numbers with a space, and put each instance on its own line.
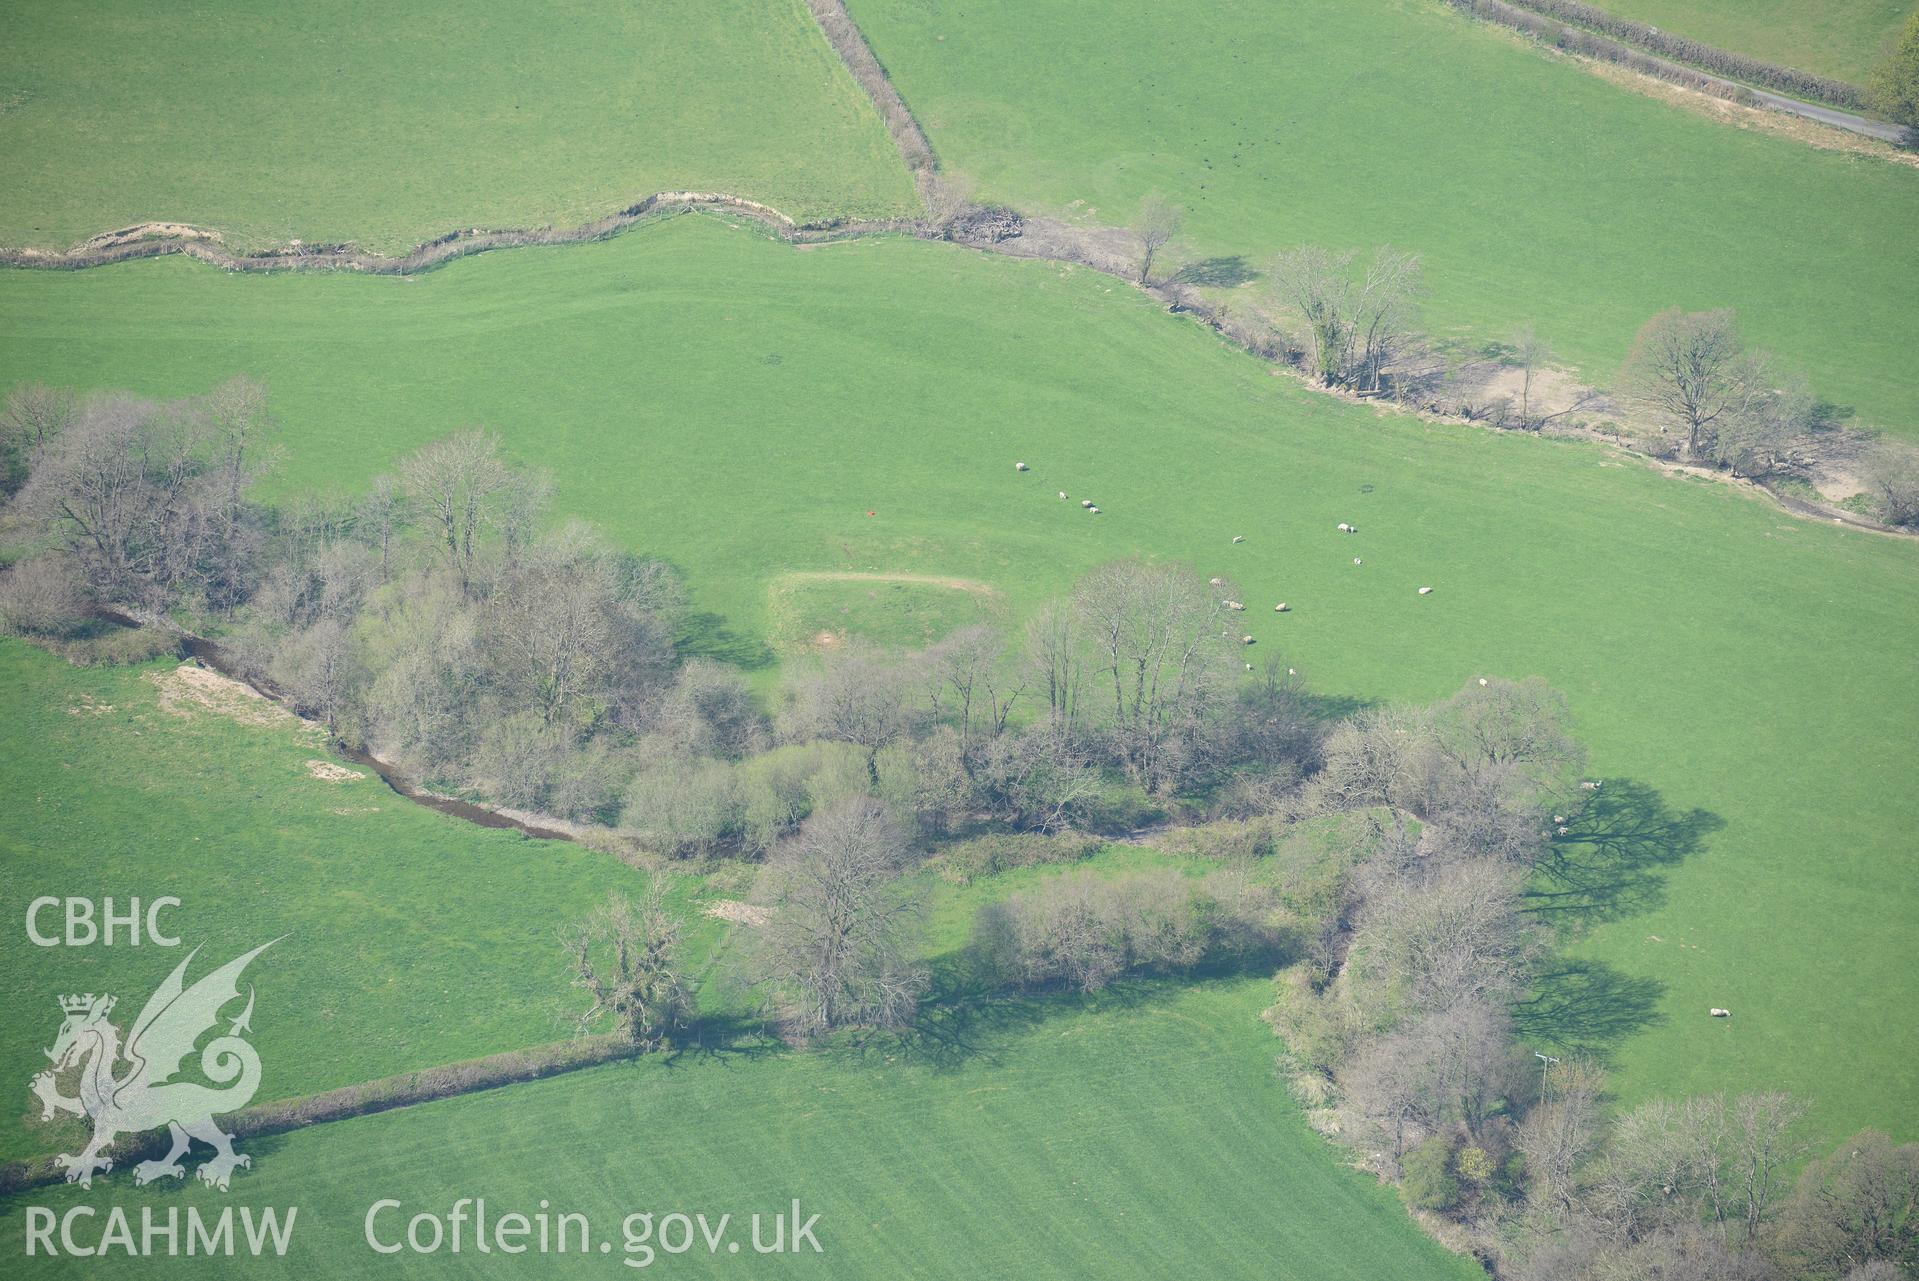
column 705, row 635
column 1587, row 1007
column 965, row 1015
column 1612, row 861
column 1223, row 273
column 724, row 1038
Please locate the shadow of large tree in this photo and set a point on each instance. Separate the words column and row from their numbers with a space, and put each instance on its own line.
column 1612, row 860
column 1587, row 1007
column 1610, row 863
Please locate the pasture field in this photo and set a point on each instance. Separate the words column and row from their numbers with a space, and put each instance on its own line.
column 822, row 610
column 345, row 120
column 410, row 939
column 1141, row 1134
column 1720, row 656
column 1536, row 193
column 1841, row 38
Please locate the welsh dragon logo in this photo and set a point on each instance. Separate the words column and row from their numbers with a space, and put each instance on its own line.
column 128, row 1089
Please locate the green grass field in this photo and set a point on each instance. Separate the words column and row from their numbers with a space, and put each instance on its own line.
column 1738, row 661
column 1842, row 38
column 345, row 120
column 1143, row 1134
column 819, row 611
column 1535, row 192
column 411, row 939
column 1145, row 1129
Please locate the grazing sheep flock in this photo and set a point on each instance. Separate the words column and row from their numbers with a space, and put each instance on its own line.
column 1344, row 527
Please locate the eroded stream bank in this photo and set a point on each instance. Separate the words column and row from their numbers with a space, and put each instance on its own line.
column 210, row 654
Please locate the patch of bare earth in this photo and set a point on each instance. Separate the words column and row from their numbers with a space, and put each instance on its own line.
column 731, row 909
column 328, row 772
column 191, row 690
column 89, row 706
column 1553, row 390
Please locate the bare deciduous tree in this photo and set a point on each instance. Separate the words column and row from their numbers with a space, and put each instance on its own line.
column 857, row 695
column 127, row 486
column 838, row 947
column 319, row 670
column 1857, row 1207
column 1157, row 640
column 710, row 711
column 382, row 517
column 968, row 673
column 1692, row 368
column 560, row 639
column 1053, row 658
column 1157, row 223
column 1423, row 944
column 1561, row 1132
column 1892, row 474
column 1354, row 327
column 460, row 482
column 34, row 415
column 1531, row 353
column 626, row 956
column 1762, row 1144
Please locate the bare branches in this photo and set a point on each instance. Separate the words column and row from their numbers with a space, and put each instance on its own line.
column 838, row 948
column 1355, row 327
column 460, row 482
column 626, row 957
column 1692, row 368
column 1159, row 220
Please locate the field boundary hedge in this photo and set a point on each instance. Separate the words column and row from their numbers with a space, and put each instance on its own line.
column 1030, row 238
column 364, row 1099
column 1697, row 53
column 856, row 54
column 1538, row 19
column 128, row 244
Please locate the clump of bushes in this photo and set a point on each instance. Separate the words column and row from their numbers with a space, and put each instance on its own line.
column 1082, row 930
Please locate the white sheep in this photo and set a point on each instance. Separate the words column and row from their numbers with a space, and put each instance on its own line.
column 1019, row 466
column 1249, row 667
column 1239, row 538
column 1721, row 1014
column 1245, row 640
column 1216, row 582
column 1062, row 494
column 1482, row 681
column 1358, row 561
column 1281, row 608
column 1235, row 606
column 1292, row 671
column 1344, row 528
column 1085, row 502
column 1425, row 591
column 1591, row 787
column 1093, row 510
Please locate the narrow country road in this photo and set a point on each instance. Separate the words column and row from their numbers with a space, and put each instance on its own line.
column 1838, row 119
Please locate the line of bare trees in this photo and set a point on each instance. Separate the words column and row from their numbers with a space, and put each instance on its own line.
column 1353, row 325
